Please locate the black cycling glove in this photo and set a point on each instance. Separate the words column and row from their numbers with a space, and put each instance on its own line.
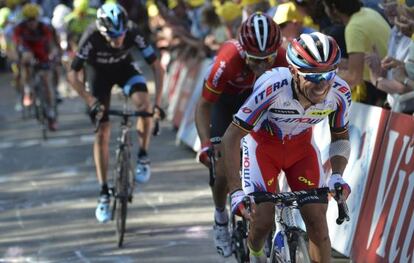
column 160, row 112
column 95, row 112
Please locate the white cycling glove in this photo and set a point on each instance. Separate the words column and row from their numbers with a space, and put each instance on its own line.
column 237, row 198
column 337, row 178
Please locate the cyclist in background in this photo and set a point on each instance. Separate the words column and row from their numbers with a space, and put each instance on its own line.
column 277, row 120
column 78, row 21
column 105, row 48
column 228, row 84
column 34, row 40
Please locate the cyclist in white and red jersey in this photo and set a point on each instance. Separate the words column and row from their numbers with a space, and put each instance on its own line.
column 228, row 84
column 274, row 126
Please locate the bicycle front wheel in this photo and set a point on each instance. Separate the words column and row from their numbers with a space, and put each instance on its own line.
column 122, row 198
column 298, row 248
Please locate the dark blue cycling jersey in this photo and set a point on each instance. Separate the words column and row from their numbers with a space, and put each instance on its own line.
column 97, row 52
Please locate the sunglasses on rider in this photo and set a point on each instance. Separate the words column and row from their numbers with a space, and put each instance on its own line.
column 320, row 76
column 257, row 60
column 115, row 35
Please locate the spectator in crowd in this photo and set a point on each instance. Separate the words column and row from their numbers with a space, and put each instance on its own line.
column 290, row 21
column 364, row 28
column 218, row 32
column 137, row 12
column 313, row 13
column 194, row 11
column 78, row 20
column 384, row 77
column 251, row 6
column 231, row 16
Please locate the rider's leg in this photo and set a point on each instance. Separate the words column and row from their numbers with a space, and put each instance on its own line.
column 260, row 227
column 142, row 102
column 45, row 77
column 219, row 188
column 314, row 216
column 101, row 151
column 303, row 175
column 144, row 127
column 101, row 156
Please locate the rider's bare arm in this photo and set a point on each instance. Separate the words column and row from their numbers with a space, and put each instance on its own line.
column 78, row 84
column 339, row 139
column 203, row 119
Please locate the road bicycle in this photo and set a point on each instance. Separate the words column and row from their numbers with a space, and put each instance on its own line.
column 40, row 105
column 287, row 242
column 123, row 176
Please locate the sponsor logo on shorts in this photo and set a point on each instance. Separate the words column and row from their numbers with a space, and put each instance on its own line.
column 305, row 181
column 270, row 182
column 246, row 164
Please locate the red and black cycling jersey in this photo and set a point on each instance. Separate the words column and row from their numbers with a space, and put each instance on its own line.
column 37, row 41
column 97, row 52
column 229, row 72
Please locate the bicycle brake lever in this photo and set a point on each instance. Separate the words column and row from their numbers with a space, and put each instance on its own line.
column 247, row 203
column 343, row 212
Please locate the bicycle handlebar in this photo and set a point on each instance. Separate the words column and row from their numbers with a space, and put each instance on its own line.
column 122, row 113
column 286, row 197
column 127, row 114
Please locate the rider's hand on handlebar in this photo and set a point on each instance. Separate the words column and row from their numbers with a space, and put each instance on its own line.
column 238, row 207
column 159, row 113
column 337, row 178
column 96, row 111
column 203, row 155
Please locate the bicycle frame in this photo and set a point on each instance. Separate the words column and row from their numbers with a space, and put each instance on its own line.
column 288, row 237
column 124, row 181
column 285, row 225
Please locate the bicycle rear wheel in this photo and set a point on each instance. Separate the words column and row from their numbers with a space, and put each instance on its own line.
column 298, row 247
column 121, row 188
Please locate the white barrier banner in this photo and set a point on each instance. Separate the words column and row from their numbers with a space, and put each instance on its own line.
column 187, row 131
column 363, row 133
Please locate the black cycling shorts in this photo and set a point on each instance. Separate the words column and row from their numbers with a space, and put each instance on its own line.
column 223, row 111
column 101, row 81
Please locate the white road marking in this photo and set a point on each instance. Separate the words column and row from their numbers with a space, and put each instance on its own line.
column 56, row 142
column 5, row 145
column 87, row 138
column 19, row 218
column 81, row 257
column 28, row 143
column 148, row 203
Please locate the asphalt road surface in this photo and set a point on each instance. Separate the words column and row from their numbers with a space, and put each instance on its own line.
column 48, row 195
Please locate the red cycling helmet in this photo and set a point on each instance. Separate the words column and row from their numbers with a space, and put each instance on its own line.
column 259, row 35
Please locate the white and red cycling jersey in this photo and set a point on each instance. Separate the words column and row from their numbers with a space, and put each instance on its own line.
column 280, row 129
column 229, row 73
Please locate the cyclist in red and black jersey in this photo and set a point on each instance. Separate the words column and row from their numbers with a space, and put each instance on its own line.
column 228, row 84
column 33, row 40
